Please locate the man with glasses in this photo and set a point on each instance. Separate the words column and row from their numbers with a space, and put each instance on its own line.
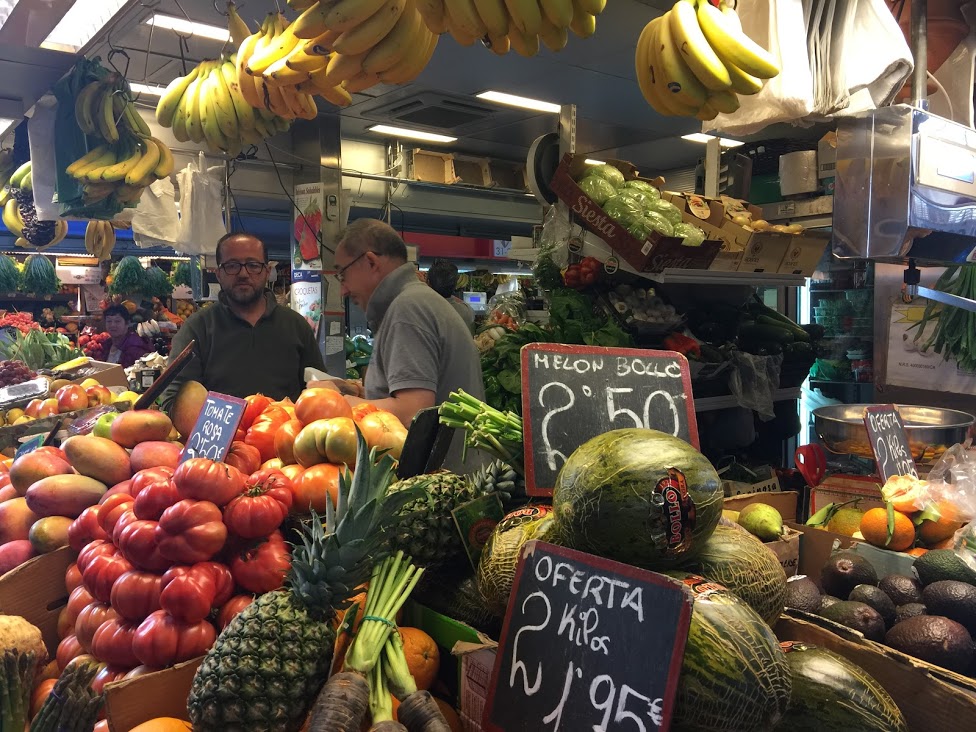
column 422, row 349
column 245, row 342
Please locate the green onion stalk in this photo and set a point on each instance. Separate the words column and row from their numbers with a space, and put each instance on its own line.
column 488, row 429
column 954, row 334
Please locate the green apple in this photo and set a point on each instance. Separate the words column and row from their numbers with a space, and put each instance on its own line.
column 103, row 427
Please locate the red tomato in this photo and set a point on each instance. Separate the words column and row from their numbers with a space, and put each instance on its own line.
column 101, row 573
column 138, row 543
column 384, row 431
column 128, row 517
column 293, row 472
column 78, row 599
column 223, row 581
column 106, row 675
column 362, row 409
column 146, row 477
column 312, row 489
column 68, row 649
column 155, row 498
column 256, row 404
column 261, row 436
column 203, row 479
column 188, row 593
column 124, row 487
column 90, row 619
column 321, row 403
column 244, row 457
column 284, row 441
column 92, row 550
column 113, row 643
column 112, row 510
column 136, row 594
column 72, row 577
column 261, row 507
column 161, row 640
column 191, row 531
column 231, row 608
column 263, row 566
column 327, row 441
column 85, row 529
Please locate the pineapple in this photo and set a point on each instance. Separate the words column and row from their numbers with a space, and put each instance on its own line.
column 271, row 660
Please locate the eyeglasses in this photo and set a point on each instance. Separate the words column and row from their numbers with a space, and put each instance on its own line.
column 341, row 271
column 234, row 268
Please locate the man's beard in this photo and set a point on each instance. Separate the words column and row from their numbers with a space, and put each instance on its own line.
column 244, row 300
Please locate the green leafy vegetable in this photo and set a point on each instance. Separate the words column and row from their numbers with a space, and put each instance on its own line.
column 156, row 284
column 129, row 276
column 39, row 276
column 9, row 274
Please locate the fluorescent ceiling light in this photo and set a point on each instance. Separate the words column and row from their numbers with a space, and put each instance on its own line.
column 413, row 134
column 515, row 101
column 701, row 137
column 189, row 28
column 83, row 21
column 6, row 8
column 593, row 161
column 153, row 90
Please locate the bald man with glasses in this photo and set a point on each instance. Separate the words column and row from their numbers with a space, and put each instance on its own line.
column 245, row 342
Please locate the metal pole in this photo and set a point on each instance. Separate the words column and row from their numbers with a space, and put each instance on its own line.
column 228, row 201
column 920, row 50
column 713, row 161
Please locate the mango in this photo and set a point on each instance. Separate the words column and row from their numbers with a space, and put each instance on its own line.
column 49, row 533
column 30, row 468
column 98, row 458
column 64, row 495
column 186, row 407
column 15, row 553
column 142, row 425
column 155, row 453
column 16, row 518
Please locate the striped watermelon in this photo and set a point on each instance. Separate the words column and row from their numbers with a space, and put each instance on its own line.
column 831, row 694
column 734, row 676
column 738, row 560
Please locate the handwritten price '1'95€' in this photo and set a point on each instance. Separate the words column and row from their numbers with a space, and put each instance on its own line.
column 622, row 708
column 207, row 442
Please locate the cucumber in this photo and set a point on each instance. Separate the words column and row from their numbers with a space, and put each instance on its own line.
column 764, row 333
column 798, row 333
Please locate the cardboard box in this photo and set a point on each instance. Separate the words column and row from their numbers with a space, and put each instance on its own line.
column 477, row 662
column 36, row 592
column 841, row 488
column 788, row 548
column 655, row 254
column 765, row 252
column 803, row 253
column 736, row 488
column 131, row 702
column 931, row 698
column 472, row 170
column 432, row 167
column 107, row 374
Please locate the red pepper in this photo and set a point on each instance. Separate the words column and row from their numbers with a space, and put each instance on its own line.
column 683, row 345
column 590, row 270
column 573, row 276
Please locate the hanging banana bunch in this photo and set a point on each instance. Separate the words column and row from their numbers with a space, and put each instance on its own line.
column 100, row 239
column 695, row 61
column 20, row 216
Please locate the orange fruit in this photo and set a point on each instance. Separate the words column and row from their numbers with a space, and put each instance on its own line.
column 917, row 551
column 450, row 714
column 932, row 532
column 944, row 544
column 901, row 491
column 423, row 657
column 874, row 529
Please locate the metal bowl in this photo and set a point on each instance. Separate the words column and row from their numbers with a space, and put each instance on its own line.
column 931, row 431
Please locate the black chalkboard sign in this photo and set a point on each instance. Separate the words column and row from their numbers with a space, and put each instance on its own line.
column 573, row 393
column 588, row 644
column 889, row 442
column 215, row 427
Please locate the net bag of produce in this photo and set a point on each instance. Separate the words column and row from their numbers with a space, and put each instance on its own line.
column 201, row 208
column 155, row 221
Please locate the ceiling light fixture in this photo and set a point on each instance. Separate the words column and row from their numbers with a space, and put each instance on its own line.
column 84, row 20
column 516, row 101
column 412, row 134
column 701, row 137
column 152, row 90
column 189, row 27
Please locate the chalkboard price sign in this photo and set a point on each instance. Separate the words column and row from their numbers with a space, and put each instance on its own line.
column 215, row 427
column 889, row 442
column 573, row 393
column 588, row 644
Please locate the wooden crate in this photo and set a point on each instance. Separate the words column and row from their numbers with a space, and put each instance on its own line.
column 432, row 167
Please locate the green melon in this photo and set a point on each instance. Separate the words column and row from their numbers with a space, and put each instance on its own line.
column 499, row 558
column 734, row 676
column 831, row 694
column 746, row 566
column 637, row 496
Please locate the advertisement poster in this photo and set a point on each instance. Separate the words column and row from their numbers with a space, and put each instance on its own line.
column 306, row 296
column 909, row 365
column 306, row 252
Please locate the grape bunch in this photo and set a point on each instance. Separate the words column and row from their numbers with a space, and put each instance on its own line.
column 14, row 372
column 35, row 231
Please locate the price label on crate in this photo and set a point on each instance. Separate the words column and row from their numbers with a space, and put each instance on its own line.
column 889, row 441
column 215, row 427
column 573, row 393
column 588, row 644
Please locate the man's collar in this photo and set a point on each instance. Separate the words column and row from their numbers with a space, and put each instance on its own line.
column 386, row 292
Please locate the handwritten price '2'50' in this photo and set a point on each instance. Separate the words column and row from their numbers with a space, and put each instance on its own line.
column 613, row 412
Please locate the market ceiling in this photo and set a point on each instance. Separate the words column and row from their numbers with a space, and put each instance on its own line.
column 596, row 74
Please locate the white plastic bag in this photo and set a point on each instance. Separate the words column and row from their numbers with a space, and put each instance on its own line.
column 155, row 220
column 44, row 169
column 201, row 208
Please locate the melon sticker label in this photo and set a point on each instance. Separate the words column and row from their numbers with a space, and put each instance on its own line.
column 679, row 510
column 700, row 587
column 523, row 516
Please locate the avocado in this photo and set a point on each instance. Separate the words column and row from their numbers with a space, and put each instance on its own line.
column 902, row 589
column 935, row 639
column 857, row 616
column 909, row 610
column 826, row 601
column 943, row 564
column 802, row 594
column 871, row 595
column 953, row 600
column 844, row 571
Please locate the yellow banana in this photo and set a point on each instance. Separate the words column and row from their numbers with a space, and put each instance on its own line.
column 89, row 157
column 642, row 68
column 194, row 120
column 223, row 105
column 494, row 16
column 593, row 7
column 146, row 164
column 169, row 102
column 301, row 60
column 666, row 99
column 119, row 170
column 525, row 44
column 554, row 38
column 23, row 243
column 584, row 24
column 433, row 13
column 301, row 5
column 245, row 81
column 371, row 31
column 707, row 112
column 464, row 18
column 559, row 12
column 361, row 82
column 724, row 34
column 243, row 110
column 397, row 45
column 11, row 217
column 179, row 128
column 676, row 80
column 281, row 74
column 695, row 49
column 527, row 15
column 299, row 104
column 336, row 95
column 135, row 121
column 743, row 83
column 212, row 134
column 341, row 68
column 108, row 158
column 105, row 119
column 236, row 25
column 724, row 101
column 321, row 45
column 275, row 101
column 339, row 16
column 84, row 113
column 90, row 237
column 280, row 47
column 410, row 69
column 166, row 163
column 499, row 45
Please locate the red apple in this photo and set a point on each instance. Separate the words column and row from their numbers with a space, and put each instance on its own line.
column 48, row 408
column 98, row 395
column 71, row 397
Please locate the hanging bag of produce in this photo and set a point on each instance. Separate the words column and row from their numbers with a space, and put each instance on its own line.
column 201, row 207
column 44, row 167
column 156, row 221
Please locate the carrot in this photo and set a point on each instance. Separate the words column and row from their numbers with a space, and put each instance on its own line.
column 420, row 713
column 341, row 705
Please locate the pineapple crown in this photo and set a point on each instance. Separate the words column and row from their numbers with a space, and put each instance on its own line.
column 338, row 555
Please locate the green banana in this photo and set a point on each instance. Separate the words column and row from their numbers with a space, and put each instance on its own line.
column 169, row 102
column 17, row 179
